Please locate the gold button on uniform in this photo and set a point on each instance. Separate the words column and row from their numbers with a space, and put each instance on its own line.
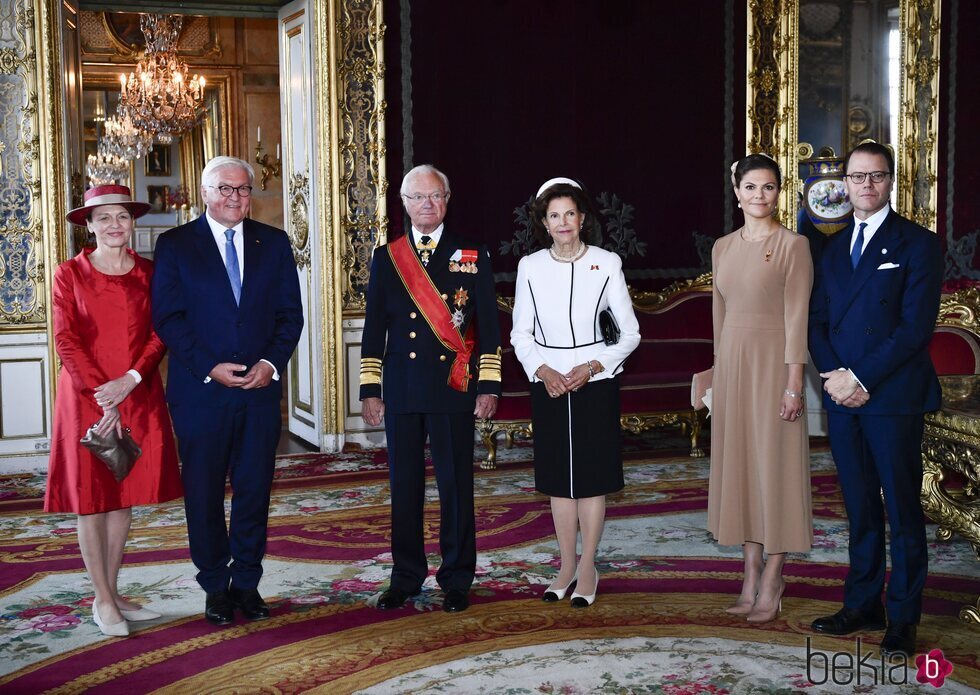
column 411, row 334
column 445, row 296
column 411, row 355
column 412, row 315
column 442, row 358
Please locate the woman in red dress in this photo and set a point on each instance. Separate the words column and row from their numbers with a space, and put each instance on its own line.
column 109, row 375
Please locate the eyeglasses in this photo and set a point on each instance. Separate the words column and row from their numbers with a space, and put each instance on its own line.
column 419, row 197
column 244, row 191
column 860, row 176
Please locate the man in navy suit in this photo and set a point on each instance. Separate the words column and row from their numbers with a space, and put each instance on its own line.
column 872, row 314
column 226, row 301
column 428, row 289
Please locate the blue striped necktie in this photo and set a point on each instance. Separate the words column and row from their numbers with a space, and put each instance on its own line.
column 231, row 264
column 858, row 246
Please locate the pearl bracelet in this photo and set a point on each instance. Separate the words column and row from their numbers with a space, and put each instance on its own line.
column 793, row 394
column 591, row 370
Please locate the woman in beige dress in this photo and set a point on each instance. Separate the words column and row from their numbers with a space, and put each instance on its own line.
column 759, row 487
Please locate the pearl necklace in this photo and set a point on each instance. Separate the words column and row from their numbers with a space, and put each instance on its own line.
column 568, row 259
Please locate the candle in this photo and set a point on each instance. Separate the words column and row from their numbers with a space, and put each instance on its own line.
column 258, row 135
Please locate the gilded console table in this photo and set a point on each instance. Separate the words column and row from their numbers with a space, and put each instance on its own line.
column 952, row 444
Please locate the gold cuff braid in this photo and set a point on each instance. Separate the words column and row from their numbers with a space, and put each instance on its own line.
column 490, row 366
column 370, row 371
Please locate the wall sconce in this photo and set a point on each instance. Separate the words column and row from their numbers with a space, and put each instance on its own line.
column 270, row 167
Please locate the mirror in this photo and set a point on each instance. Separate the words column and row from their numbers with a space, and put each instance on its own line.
column 848, row 73
column 823, row 75
column 168, row 176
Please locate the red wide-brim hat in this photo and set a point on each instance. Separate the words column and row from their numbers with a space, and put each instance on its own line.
column 107, row 195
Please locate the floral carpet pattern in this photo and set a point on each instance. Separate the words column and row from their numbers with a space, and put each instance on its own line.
column 658, row 625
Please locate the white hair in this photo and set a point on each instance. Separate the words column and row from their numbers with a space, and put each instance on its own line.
column 220, row 162
column 423, row 169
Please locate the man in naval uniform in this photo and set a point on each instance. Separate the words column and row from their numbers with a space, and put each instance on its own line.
column 428, row 372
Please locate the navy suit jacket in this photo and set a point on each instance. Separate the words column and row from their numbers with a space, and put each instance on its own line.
column 877, row 321
column 195, row 314
column 416, row 364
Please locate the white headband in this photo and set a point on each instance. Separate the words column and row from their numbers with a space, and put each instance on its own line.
column 551, row 182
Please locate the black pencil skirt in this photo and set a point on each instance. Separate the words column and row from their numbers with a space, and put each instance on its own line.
column 578, row 442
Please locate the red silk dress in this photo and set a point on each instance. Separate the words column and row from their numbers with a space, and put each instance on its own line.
column 102, row 329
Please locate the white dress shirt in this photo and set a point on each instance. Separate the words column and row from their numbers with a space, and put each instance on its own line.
column 435, row 235
column 218, row 231
column 873, row 224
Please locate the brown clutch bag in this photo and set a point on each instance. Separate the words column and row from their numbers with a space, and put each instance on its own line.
column 700, row 384
column 118, row 453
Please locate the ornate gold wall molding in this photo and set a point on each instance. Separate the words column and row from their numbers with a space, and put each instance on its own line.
column 918, row 129
column 22, row 305
column 363, row 184
column 771, row 92
column 350, row 181
column 33, row 234
column 299, row 210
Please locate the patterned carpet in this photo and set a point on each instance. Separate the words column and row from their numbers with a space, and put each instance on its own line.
column 657, row 626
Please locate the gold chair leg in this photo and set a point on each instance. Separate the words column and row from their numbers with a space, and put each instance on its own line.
column 485, row 428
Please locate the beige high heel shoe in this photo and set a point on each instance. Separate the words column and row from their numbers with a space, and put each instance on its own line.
column 764, row 617
column 740, row 608
column 120, row 629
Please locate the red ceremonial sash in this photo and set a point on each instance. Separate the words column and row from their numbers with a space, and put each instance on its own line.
column 435, row 311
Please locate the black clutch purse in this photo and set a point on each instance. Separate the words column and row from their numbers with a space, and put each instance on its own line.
column 118, row 453
column 608, row 327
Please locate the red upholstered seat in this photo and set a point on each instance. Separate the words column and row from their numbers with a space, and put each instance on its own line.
column 955, row 350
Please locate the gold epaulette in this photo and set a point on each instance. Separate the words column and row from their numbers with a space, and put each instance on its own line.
column 489, row 366
column 370, row 371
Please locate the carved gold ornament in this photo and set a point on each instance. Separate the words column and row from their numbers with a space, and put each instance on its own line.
column 299, row 225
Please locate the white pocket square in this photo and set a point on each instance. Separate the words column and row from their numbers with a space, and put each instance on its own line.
column 887, row 266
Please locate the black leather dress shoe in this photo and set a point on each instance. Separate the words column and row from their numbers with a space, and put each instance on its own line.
column 848, row 620
column 899, row 639
column 392, row 598
column 219, row 609
column 455, row 601
column 250, row 603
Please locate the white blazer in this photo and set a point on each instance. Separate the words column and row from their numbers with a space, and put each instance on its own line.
column 556, row 312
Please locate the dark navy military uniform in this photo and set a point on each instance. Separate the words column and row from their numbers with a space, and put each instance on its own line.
column 403, row 359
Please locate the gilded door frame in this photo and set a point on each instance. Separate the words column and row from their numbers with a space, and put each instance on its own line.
column 772, row 69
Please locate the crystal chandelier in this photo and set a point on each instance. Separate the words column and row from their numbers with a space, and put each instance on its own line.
column 105, row 168
column 158, row 96
column 123, row 139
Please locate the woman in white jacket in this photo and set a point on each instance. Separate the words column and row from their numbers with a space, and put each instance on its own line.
column 575, row 406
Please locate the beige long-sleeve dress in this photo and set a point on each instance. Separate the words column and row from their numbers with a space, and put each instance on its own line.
column 759, row 486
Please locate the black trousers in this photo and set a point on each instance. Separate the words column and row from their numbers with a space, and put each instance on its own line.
column 451, row 442
column 236, row 441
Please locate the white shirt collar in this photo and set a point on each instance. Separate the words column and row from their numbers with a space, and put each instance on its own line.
column 218, row 229
column 874, row 223
column 435, row 235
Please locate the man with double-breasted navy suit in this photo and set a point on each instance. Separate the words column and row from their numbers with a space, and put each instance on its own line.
column 428, row 373
column 226, row 301
column 873, row 309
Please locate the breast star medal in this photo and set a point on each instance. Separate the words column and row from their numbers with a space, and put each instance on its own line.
column 460, row 297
